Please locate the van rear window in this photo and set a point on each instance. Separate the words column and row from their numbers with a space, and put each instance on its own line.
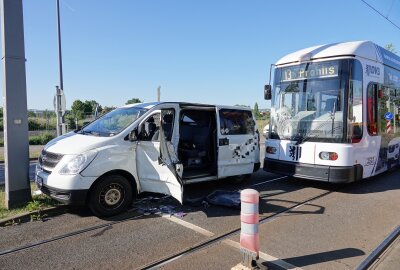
column 236, row 122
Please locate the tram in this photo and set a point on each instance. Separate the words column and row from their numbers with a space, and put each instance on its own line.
column 334, row 112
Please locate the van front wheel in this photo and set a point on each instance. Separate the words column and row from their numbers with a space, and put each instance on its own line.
column 110, row 196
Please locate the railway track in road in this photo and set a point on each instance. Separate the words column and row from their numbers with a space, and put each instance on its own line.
column 216, row 240
column 374, row 256
column 67, row 235
column 93, row 228
column 166, row 260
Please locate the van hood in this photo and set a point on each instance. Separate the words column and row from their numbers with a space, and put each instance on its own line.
column 73, row 143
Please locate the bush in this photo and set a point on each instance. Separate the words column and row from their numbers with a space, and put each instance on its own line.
column 41, row 139
column 46, row 137
column 36, row 140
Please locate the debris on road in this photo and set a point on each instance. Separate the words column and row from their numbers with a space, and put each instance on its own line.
column 149, row 205
column 224, row 198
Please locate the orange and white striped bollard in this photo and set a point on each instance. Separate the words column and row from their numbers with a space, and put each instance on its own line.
column 249, row 217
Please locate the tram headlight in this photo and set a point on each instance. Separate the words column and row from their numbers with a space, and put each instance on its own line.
column 328, row 156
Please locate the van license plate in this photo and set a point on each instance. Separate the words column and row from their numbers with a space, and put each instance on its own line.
column 39, row 181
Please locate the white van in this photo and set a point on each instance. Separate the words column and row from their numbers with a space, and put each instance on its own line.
column 155, row 147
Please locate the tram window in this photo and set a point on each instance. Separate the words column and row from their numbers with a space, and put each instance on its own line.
column 355, row 103
column 355, row 111
column 384, row 106
column 372, row 122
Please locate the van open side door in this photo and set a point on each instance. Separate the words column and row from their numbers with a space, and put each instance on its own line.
column 158, row 167
column 238, row 149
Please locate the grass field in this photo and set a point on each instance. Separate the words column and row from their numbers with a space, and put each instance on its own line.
column 261, row 124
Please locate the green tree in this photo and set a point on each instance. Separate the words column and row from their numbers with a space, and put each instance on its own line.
column 88, row 107
column 49, row 114
column 133, row 100
column 31, row 114
column 78, row 109
column 107, row 109
column 391, row 48
column 256, row 111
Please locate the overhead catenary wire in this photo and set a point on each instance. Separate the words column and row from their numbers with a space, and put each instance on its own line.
column 385, row 17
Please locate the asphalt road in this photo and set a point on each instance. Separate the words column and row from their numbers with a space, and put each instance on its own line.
column 336, row 230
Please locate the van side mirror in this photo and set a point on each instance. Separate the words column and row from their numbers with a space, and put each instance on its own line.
column 267, row 92
column 133, row 135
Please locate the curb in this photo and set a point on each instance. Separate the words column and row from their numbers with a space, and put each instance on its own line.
column 26, row 217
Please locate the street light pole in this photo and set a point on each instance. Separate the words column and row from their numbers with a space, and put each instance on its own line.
column 59, row 45
column 60, row 90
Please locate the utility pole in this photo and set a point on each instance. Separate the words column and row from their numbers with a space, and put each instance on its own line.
column 60, row 97
column 16, row 143
column 159, row 93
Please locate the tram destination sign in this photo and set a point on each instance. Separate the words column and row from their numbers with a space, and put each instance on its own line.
column 310, row 71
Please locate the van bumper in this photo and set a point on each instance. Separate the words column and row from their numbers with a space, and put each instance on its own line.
column 68, row 197
column 332, row 174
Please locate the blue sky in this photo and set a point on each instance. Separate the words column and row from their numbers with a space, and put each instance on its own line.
column 204, row 51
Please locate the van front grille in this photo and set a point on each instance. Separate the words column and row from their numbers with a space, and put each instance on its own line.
column 48, row 160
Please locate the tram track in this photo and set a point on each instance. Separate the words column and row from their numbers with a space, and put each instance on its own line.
column 176, row 256
column 375, row 255
column 218, row 239
column 93, row 228
column 67, row 235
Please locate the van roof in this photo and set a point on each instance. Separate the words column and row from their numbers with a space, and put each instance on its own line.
column 150, row 105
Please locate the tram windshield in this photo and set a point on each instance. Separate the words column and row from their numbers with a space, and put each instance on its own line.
column 311, row 101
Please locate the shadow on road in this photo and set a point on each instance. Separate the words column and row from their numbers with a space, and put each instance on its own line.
column 322, row 257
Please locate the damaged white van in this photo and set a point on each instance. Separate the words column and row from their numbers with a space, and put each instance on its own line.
column 155, row 147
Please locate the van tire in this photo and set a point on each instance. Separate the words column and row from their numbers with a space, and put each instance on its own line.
column 111, row 195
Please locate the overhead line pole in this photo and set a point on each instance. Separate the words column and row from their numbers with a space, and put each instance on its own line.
column 16, row 144
column 60, row 89
column 59, row 45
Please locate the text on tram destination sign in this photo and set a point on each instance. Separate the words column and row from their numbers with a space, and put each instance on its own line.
column 310, row 71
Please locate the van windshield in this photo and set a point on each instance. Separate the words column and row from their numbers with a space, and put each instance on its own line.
column 113, row 122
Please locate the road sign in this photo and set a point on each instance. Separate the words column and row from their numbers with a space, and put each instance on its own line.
column 388, row 116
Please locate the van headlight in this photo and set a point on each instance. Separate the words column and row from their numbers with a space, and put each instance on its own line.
column 78, row 163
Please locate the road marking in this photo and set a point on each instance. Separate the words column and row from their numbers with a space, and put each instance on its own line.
column 266, row 257
column 189, row 225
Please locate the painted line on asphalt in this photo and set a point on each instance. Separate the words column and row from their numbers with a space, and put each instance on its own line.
column 189, row 225
column 266, row 257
